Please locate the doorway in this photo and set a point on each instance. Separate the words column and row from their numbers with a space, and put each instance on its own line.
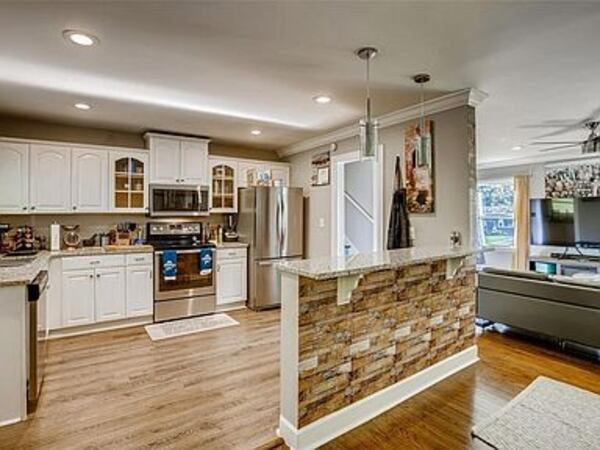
column 357, row 187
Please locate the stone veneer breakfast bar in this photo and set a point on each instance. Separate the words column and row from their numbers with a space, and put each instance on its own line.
column 361, row 334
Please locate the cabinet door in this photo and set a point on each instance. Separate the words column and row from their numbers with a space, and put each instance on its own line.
column 165, row 160
column 223, row 186
column 247, row 174
column 50, row 178
column 110, row 293
column 89, row 181
column 128, row 182
column 194, row 162
column 139, row 291
column 78, row 297
column 231, row 281
column 280, row 176
column 14, row 177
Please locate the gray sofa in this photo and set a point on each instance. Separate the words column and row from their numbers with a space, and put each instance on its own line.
column 539, row 304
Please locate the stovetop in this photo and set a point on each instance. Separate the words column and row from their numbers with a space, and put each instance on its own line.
column 161, row 244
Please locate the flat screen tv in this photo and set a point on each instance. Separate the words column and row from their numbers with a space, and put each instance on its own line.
column 552, row 221
column 587, row 222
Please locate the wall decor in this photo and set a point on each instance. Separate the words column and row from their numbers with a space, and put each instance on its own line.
column 419, row 164
column 320, row 169
column 573, row 180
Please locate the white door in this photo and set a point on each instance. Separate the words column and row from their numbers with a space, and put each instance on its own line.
column 139, row 291
column 280, row 176
column 50, row 178
column 232, row 281
column 14, row 177
column 165, row 160
column 78, row 297
column 110, row 293
column 194, row 162
column 89, row 188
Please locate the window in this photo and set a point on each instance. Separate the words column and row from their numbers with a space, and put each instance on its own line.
column 495, row 211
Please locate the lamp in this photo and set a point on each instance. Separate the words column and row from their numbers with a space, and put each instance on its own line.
column 368, row 127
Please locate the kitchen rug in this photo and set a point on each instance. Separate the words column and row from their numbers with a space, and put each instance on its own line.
column 547, row 415
column 182, row 327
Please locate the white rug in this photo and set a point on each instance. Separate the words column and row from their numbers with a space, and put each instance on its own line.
column 547, row 415
column 166, row 330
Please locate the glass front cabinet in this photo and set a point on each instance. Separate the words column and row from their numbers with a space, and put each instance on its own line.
column 223, row 186
column 129, row 182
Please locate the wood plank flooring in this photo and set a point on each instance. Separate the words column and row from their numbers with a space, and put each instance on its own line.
column 220, row 390
column 120, row 390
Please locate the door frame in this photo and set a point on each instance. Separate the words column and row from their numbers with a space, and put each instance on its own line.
column 337, row 208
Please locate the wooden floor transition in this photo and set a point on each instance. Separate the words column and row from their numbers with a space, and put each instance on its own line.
column 220, row 390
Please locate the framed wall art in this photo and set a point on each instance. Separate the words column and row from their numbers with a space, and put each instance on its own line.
column 419, row 165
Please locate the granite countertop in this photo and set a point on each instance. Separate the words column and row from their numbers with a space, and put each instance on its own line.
column 326, row 267
column 17, row 275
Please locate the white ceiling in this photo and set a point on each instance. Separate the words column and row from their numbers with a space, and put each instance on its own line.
column 221, row 69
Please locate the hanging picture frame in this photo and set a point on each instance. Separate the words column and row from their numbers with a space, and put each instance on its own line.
column 321, row 165
column 580, row 179
column 419, row 169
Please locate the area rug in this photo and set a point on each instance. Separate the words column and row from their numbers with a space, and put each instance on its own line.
column 175, row 328
column 547, row 415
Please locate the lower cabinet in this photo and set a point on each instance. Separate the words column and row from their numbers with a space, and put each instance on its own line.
column 105, row 288
column 232, row 276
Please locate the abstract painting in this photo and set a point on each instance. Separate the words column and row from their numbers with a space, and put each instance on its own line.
column 419, row 164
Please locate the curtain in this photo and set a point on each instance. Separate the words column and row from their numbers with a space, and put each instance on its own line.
column 521, row 212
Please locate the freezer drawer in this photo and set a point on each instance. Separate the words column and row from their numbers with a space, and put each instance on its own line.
column 265, row 284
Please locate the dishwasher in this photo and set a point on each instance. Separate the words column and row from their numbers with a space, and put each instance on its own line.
column 37, row 335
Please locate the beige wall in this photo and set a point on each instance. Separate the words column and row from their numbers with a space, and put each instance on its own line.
column 35, row 129
column 451, row 192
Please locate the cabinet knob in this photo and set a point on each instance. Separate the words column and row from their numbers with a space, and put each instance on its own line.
column 97, row 275
column 91, row 276
column 24, row 208
column 32, row 208
column 74, row 207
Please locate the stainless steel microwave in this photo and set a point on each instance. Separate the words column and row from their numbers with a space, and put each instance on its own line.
column 178, row 200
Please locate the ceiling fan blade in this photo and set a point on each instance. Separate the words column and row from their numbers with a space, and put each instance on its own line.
column 557, row 143
column 558, row 147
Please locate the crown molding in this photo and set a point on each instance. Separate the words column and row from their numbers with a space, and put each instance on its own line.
column 565, row 157
column 471, row 97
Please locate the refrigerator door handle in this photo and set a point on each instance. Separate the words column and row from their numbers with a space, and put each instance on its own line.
column 282, row 242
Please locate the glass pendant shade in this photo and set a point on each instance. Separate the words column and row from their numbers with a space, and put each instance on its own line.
column 369, row 138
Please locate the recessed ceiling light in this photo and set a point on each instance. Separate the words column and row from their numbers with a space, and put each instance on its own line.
column 322, row 99
column 80, row 38
column 256, row 132
column 516, row 148
column 82, row 106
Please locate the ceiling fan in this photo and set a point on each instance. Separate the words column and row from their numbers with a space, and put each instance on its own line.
column 589, row 145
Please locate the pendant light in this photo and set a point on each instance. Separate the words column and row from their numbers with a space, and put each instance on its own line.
column 368, row 127
column 423, row 141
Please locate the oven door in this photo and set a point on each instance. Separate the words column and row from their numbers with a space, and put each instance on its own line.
column 180, row 200
column 188, row 281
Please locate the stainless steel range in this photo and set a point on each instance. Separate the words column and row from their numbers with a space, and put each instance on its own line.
column 184, row 275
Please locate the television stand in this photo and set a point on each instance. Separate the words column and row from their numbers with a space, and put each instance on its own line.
column 566, row 265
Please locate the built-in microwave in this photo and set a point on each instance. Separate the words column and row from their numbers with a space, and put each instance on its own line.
column 178, row 200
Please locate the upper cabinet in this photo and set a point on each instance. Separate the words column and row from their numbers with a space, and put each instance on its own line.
column 14, row 177
column 50, row 178
column 223, row 186
column 263, row 173
column 177, row 160
column 128, row 181
column 89, row 181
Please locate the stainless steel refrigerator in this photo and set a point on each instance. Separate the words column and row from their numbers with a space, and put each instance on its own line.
column 271, row 222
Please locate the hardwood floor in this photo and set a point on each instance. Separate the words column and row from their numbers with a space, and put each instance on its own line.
column 441, row 417
column 119, row 390
column 220, row 390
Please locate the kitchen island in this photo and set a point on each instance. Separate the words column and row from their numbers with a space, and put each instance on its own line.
column 361, row 334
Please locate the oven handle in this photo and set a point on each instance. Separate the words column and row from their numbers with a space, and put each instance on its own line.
column 193, row 250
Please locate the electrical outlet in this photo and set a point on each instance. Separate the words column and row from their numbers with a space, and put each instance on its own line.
column 321, row 222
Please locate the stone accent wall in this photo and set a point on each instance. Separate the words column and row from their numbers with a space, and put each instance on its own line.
column 397, row 323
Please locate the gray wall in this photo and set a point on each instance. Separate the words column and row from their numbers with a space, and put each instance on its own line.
column 451, row 134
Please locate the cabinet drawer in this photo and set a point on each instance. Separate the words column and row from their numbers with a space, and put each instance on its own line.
column 139, row 259
column 231, row 253
column 86, row 262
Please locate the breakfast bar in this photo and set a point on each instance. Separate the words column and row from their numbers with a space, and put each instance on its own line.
column 361, row 334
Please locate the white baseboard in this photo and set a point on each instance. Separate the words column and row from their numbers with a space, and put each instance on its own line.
column 98, row 327
column 10, row 421
column 329, row 427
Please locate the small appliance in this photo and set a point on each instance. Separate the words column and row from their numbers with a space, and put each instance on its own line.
column 24, row 242
column 184, row 275
column 71, row 238
column 178, row 200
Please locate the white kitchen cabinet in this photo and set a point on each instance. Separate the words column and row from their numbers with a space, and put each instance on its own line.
column 78, row 297
column 109, row 294
column 50, row 178
column 89, row 180
column 176, row 160
column 252, row 173
column 232, row 276
column 14, row 177
column 223, row 185
column 247, row 172
column 280, row 175
column 139, row 290
column 128, row 181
